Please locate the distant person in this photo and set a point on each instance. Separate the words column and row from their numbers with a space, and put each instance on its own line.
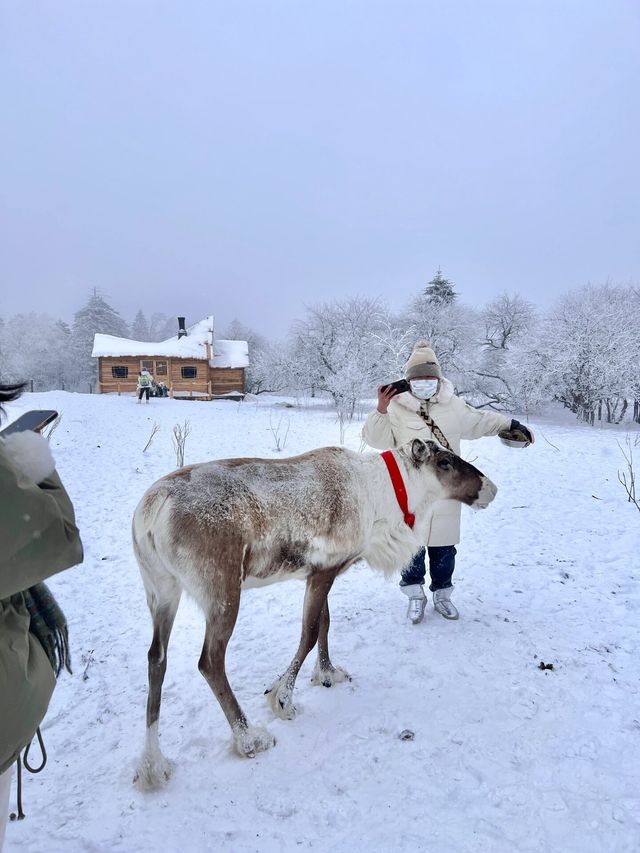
column 39, row 539
column 144, row 384
column 431, row 410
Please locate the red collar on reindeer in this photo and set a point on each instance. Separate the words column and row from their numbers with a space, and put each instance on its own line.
column 399, row 487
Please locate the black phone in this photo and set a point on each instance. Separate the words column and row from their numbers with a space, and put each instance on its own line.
column 35, row 420
column 400, row 386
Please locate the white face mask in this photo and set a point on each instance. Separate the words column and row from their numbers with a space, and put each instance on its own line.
column 423, row 389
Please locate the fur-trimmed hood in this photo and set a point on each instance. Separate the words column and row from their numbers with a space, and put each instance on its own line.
column 30, row 453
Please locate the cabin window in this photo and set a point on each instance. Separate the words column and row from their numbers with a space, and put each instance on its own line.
column 118, row 371
column 148, row 364
column 161, row 368
column 189, row 372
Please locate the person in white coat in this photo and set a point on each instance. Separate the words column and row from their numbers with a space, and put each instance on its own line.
column 145, row 384
column 432, row 411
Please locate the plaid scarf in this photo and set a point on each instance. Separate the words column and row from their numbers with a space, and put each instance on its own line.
column 49, row 625
column 433, row 426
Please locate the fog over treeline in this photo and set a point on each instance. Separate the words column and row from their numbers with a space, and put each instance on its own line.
column 583, row 351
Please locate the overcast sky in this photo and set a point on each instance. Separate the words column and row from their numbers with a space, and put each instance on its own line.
column 247, row 158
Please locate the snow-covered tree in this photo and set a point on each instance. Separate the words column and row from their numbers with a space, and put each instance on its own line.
column 592, row 348
column 397, row 335
column 140, row 327
column 339, row 349
column 260, row 376
column 502, row 373
column 634, row 384
column 162, row 327
column 237, row 331
column 270, row 368
column 96, row 316
column 36, row 347
column 506, row 319
column 452, row 330
column 440, row 291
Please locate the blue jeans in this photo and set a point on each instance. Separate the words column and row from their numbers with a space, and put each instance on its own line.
column 442, row 560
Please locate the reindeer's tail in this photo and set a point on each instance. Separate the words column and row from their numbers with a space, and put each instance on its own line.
column 160, row 582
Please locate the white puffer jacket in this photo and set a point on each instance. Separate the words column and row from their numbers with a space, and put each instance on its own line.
column 456, row 419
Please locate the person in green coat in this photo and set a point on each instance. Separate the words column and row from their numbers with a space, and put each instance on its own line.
column 39, row 539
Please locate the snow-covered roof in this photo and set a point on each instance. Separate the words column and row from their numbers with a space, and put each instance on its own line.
column 230, row 354
column 191, row 345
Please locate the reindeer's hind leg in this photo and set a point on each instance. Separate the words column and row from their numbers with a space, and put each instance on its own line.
column 153, row 769
column 315, row 599
column 221, row 620
column 325, row 673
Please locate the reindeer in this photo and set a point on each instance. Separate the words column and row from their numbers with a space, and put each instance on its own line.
column 216, row 528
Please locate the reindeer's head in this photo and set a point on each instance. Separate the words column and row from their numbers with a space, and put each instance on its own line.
column 454, row 478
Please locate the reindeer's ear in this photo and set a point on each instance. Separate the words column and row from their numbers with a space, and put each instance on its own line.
column 421, row 450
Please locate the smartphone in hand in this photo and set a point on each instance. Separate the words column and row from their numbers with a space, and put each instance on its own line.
column 399, row 386
column 35, row 420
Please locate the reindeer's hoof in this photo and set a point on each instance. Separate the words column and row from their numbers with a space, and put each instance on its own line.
column 251, row 740
column 279, row 695
column 152, row 772
column 329, row 675
column 285, row 709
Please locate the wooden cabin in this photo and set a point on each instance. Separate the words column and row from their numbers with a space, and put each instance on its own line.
column 192, row 364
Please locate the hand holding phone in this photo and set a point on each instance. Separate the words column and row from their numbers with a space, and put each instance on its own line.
column 35, row 420
column 387, row 392
column 399, row 387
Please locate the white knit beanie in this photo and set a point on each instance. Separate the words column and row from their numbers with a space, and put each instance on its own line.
column 422, row 362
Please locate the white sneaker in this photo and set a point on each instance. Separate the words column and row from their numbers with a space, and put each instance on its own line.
column 417, row 602
column 442, row 603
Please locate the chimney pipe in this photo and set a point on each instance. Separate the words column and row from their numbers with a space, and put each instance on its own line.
column 182, row 332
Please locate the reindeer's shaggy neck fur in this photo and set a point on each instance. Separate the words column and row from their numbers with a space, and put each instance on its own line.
column 390, row 541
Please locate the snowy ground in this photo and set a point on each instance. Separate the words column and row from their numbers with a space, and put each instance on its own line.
column 506, row 757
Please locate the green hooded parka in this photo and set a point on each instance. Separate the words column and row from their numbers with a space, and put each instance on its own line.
column 39, row 539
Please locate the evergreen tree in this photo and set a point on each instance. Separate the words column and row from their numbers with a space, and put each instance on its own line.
column 162, row 327
column 35, row 347
column 61, row 362
column 260, row 352
column 96, row 316
column 440, row 291
column 140, row 327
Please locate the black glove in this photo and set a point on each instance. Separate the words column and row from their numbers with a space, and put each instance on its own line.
column 517, row 425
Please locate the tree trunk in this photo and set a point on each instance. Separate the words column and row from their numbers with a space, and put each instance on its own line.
column 615, row 410
column 625, row 404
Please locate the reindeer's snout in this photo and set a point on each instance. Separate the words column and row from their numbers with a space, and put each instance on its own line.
column 487, row 493
column 461, row 480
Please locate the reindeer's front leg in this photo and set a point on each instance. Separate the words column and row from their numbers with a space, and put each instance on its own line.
column 325, row 674
column 315, row 599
